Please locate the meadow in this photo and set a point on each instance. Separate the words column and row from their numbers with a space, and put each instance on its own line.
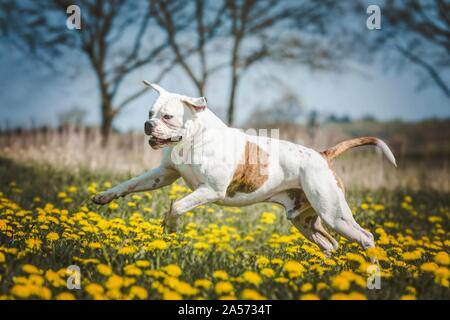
column 47, row 223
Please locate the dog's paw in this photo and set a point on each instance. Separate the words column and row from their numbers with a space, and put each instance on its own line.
column 102, row 198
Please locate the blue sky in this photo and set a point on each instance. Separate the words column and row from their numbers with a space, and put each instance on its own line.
column 30, row 93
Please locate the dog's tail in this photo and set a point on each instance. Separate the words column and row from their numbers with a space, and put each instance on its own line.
column 333, row 152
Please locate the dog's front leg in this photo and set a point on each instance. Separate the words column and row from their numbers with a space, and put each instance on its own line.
column 202, row 195
column 151, row 180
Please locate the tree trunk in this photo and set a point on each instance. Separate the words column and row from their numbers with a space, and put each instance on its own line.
column 107, row 119
column 107, row 111
column 231, row 103
column 234, row 82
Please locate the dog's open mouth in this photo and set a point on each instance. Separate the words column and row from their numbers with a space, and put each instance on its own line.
column 156, row 142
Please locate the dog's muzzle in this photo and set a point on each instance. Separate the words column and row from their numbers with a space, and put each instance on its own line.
column 156, row 142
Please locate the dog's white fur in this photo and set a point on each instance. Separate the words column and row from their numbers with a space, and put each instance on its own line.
column 208, row 143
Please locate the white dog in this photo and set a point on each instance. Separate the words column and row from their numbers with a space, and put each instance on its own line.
column 226, row 166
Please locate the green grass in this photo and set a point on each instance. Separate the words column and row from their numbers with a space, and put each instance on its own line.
column 235, row 241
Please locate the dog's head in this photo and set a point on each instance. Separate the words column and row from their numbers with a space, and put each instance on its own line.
column 168, row 116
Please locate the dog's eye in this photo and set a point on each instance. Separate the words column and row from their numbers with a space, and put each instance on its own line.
column 150, row 114
column 167, row 116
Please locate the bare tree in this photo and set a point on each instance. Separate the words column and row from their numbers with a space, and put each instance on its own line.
column 115, row 38
column 261, row 31
column 189, row 28
column 417, row 32
column 242, row 33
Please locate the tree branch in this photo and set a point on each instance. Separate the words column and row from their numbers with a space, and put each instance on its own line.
column 428, row 68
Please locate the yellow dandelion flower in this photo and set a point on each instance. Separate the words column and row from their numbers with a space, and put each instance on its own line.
column 429, row 267
column 223, row 287
column 203, row 283
column 220, row 274
column 104, row 269
column 127, row 250
column 142, row 263
column 132, row 270
column 94, row 289
column 114, row 282
column 339, row 296
column 321, row 286
column 171, row 295
column 281, row 280
column 252, row 277
column 408, row 297
column 72, row 189
column 43, row 293
column 340, row 283
column 65, row 296
column 186, row 289
column 268, row 218
column 356, row 296
column 22, row 291
column 201, row 245
column 268, row 272
column 306, row 287
column 309, row 296
column 294, row 269
column 412, row 255
column 138, row 292
column 114, row 294
column 54, row 278
column 62, row 194
column 52, row 236
column 172, row 270
column 33, row 243
column 250, row 294
column 113, row 205
column 262, row 261
column 442, row 258
column 227, row 297
column 441, row 276
column 30, row 269
column 158, row 245
column 95, row 245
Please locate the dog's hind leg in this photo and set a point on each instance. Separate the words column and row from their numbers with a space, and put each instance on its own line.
column 327, row 199
column 310, row 225
column 305, row 219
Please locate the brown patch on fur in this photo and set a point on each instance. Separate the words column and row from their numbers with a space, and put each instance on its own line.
column 251, row 172
column 300, row 201
column 333, row 152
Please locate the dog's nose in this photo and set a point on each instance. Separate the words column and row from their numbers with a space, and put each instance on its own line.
column 148, row 127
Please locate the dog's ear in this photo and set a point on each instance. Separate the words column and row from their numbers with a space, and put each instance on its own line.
column 158, row 88
column 196, row 104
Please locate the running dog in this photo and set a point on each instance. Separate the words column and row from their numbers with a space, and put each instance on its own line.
column 224, row 165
